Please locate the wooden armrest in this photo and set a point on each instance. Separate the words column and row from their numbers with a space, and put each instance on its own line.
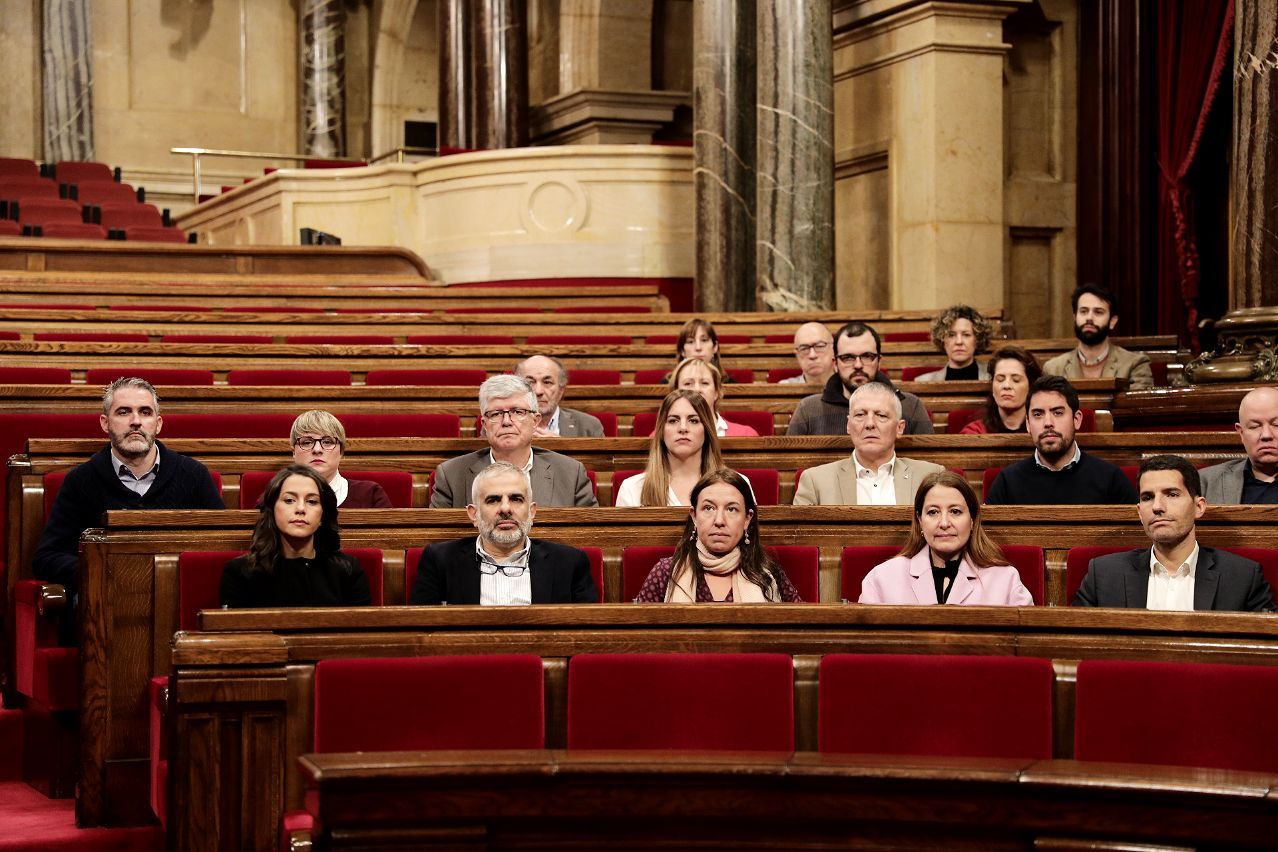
column 52, row 599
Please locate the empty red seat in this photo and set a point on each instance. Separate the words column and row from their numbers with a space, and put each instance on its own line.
column 272, row 309
column 909, row 374
column 288, row 378
column 739, row 375
column 956, row 419
column 907, row 336
column 333, row 164
column 10, row 335
column 415, row 425
column 859, row 560
column 10, row 228
column 427, row 378
column 1178, row 714
column 390, row 309
column 1030, row 564
column 637, row 561
column 777, row 338
column 107, row 192
column 229, row 425
column 681, row 701
column 398, row 485
column 21, row 189
column 35, row 376
column 43, row 672
column 495, row 309
column 594, row 377
column 578, row 339
column 995, row 707
column 217, row 338
column 171, row 309
column 603, row 309
column 651, row 376
column 608, row 420
column 154, row 375
column 460, row 339
column 347, row 339
column 802, row 564
column 150, row 234
column 79, row 171
column 18, row 167
column 129, row 214
column 199, row 583
column 73, row 231
column 91, row 336
column 46, row 211
column 776, row 374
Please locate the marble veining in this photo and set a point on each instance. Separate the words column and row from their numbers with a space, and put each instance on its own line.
column 323, row 73
column 67, row 80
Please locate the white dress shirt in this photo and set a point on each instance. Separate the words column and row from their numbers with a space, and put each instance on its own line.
column 1171, row 590
column 552, row 425
column 527, row 468
column 875, row 488
column 496, row 589
column 341, row 488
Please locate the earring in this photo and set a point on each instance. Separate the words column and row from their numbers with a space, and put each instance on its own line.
column 692, row 537
column 747, row 538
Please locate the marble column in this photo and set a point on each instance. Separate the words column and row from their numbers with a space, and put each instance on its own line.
column 456, row 83
column 322, row 70
column 795, row 196
column 501, row 74
column 723, row 105
column 67, row 80
column 1254, row 234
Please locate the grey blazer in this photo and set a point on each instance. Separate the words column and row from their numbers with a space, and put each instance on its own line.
column 1222, row 582
column 834, row 484
column 557, row 480
column 578, row 424
column 1223, row 483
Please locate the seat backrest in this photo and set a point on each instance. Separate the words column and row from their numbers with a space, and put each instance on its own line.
column 642, row 424
column 936, row 705
column 1266, row 556
column 1076, row 561
column 416, row 703
column 73, row 231
column 579, row 339
column 681, row 701
column 254, row 425
column 115, row 214
column 342, row 339
column 411, row 557
column 776, row 374
column 651, row 376
column 105, row 192
column 152, row 234
column 48, row 210
column 956, row 419
column 155, row 375
column 802, row 564
column 75, row 171
column 398, row 485
column 595, row 555
column 35, row 376
column 907, row 336
column 460, row 339
column 1028, row 561
column 594, row 377
column 739, row 375
column 199, row 583
column 987, row 479
column 761, row 422
column 285, row 378
column 859, row 560
column 909, row 374
column 495, row 309
column 603, row 309
column 414, row 425
column 1179, row 714
column 766, row 483
column 370, row 559
column 427, row 378
column 608, row 420
column 636, row 563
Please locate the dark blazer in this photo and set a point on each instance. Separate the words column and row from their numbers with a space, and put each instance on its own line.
column 366, row 494
column 557, row 480
column 448, row 573
column 1222, row 582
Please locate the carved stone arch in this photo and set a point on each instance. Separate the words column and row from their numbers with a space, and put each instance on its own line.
column 394, row 28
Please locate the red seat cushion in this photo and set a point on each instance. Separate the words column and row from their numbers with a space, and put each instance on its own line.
column 154, row 375
column 342, row 339
column 287, row 378
column 1028, row 561
column 681, row 701
column 35, row 376
column 461, row 339
column 802, row 564
column 888, row 704
column 594, row 377
column 775, row 375
column 217, row 338
column 415, row 425
column 1076, row 561
column 90, row 337
column 636, row 563
column 956, row 419
column 859, row 560
column 427, row 378
column 398, row 485
column 579, row 339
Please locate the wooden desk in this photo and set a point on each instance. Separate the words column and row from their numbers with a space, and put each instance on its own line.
column 728, row 800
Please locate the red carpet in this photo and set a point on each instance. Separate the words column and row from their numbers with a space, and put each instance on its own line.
column 10, row 745
column 30, row 821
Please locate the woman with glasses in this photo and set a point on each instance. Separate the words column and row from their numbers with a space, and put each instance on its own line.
column 1012, row 371
column 960, row 333
column 704, row 378
column 719, row 558
column 682, row 449
column 319, row 442
column 295, row 556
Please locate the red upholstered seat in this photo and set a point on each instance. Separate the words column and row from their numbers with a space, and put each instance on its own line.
column 936, row 705
column 398, row 485
column 681, row 701
column 415, row 425
column 1076, row 561
column 35, row 376
column 608, row 420
column 761, row 421
column 907, row 336
column 1179, row 714
column 217, row 338
column 777, row 374
column 272, row 309
column 78, row 171
column 91, row 336
column 18, row 167
column 173, row 309
column 154, row 375
column 21, row 189
column 387, row 309
column 909, row 374
column 987, row 479
column 288, row 378
column 778, row 338
column 603, row 309
column 594, row 377
column 801, row 563
column 50, row 306
column 651, row 377
column 73, row 231
column 43, row 672
column 427, row 378
column 956, row 419
column 859, row 560
column 249, row 425
column 740, row 375
column 579, row 339
column 9, row 228
column 495, row 309
column 637, row 561
column 347, row 339
column 1028, row 561
column 129, row 214
column 1132, row 472
column 10, row 335
column 595, row 555
column 333, row 164
column 46, row 211
column 199, row 583
column 107, row 192
column 461, row 339
column 663, row 339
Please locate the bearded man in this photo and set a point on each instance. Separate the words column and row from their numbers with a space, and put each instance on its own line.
column 1095, row 316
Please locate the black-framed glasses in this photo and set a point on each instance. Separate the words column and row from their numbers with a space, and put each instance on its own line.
column 517, row 415
column 508, row 570
column 804, row 348
column 863, row 357
column 328, row 442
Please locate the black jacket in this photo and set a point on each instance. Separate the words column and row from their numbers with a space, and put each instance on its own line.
column 1223, row 581
column 448, row 573
column 330, row 579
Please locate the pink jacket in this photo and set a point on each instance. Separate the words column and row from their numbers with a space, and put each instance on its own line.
column 909, row 581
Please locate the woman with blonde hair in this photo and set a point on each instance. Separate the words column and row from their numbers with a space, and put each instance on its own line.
column 682, row 449
column 948, row 557
column 319, row 442
column 705, row 378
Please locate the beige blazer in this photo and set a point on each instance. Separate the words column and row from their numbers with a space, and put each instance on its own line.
column 1121, row 364
column 834, row 484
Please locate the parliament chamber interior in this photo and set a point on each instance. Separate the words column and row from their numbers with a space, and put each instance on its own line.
column 832, row 293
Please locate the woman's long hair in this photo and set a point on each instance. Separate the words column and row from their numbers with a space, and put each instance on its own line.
column 756, row 566
column 264, row 549
column 656, row 481
column 990, row 414
column 980, row 550
column 689, row 331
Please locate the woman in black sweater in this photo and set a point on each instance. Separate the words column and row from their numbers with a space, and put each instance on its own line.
column 295, row 557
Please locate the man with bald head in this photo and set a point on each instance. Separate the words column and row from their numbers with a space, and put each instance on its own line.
column 549, row 379
column 1251, row 479
column 814, row 350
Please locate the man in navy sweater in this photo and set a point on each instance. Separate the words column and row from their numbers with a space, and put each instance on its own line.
column 1059, row 472
column 134, row 471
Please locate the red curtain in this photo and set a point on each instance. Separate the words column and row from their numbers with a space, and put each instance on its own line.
column 1194, row 49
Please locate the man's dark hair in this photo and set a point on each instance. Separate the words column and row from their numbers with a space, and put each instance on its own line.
column 1053, row 384
column 856, row 329
column 1095, row 290
column 1188, row 473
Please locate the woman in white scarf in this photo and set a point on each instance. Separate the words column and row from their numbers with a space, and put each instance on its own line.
column 719, row 558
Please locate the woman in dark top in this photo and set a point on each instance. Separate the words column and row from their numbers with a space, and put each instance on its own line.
column 295, row 557
column 960, row 333
column 1012, row 371
column 719, row 558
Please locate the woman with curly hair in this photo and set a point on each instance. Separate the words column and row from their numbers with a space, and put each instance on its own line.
column 962, row 333
column 1012, row 371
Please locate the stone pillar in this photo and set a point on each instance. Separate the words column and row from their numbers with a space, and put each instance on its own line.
column 1253, row 266
column 67, row 82
column 723, row 99
column 795, row 196
column 322, row 71
column 501, row 74
column 456, row 82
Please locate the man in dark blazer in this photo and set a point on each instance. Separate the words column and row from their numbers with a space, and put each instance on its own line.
column 548, row 379
column 1177, row 573
column 502, row 565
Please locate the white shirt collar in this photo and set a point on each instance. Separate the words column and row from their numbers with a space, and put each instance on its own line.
column 1078, row 454
column 1188, row 568
column 552, row 425
column 519, row 557
column 341, row 488
column 117, row 463
column 527, row 468
column 885, row 468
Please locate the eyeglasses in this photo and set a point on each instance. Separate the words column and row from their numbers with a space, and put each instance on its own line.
column 517, row 415
column 328, row 442
column 805, row 348
column 863, row 357
column 486, row 567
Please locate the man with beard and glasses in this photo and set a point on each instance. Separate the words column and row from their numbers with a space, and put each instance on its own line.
column 134, row 471
column 1059, row 472
column 502, row 565
column 1095, row 357
column 857, row 349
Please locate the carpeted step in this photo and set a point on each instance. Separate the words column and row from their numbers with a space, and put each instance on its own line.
column 31, row 821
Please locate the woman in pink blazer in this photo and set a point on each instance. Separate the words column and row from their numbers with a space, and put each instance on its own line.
column 948, row 557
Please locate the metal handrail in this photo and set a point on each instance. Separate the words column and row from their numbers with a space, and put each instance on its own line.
column 197, row 153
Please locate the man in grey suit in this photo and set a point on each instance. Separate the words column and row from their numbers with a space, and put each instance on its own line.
column 509, row 410
column 1255, row 478
column 549, row 379
column 874, row 475
column 1177, row 573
